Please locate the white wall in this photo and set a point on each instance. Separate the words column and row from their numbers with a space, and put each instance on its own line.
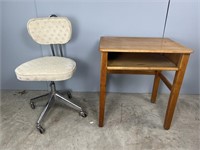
column 183, row 27
column 90, row 20
column 17, row 46
column 0, row 39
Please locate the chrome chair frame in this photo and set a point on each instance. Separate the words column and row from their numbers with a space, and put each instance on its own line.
column 54, row 95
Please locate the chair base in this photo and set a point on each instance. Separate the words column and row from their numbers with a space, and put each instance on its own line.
column 54, row 95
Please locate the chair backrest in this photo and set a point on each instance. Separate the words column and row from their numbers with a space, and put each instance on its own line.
column 51, row 30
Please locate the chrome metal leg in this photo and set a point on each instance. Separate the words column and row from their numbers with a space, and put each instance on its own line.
column 44, row 113
column 46, row 109
column 54, row 94
column 39, row 96
column 68, row 102
column 32, row 100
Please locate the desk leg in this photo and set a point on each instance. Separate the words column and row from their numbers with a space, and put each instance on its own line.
column 155, row 87
column 178, row 79
column 103, row 76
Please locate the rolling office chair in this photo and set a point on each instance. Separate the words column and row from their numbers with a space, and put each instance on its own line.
column 53, row 31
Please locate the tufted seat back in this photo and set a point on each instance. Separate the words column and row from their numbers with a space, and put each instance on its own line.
column 51, row 30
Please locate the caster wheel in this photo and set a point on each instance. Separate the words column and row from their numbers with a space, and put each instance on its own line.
column 40, row 129
column 32, row 105
column 69, row 94
column 83, row 114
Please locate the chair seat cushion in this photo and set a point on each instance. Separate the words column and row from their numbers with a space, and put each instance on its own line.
column 51, row 68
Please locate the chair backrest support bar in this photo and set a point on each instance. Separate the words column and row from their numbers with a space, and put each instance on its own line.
column 60, row 48
column 52, row 49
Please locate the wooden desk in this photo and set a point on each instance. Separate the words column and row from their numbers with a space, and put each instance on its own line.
column 129, row 55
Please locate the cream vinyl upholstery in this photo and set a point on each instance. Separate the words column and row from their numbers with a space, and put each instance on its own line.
column 46, row 69
column 52, row 30
column 49, row 30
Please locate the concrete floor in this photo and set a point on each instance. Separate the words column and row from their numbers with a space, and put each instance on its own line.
column 131, row 123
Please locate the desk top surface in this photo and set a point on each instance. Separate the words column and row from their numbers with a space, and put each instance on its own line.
column 141, row 45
